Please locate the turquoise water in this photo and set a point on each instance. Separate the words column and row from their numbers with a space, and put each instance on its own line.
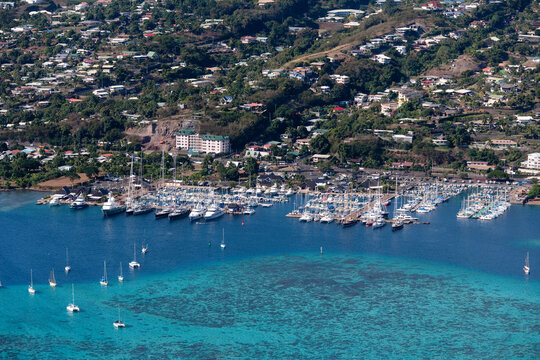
column 451, row 289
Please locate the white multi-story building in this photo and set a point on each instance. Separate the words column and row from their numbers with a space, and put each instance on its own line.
column 533, row 162
column 190, row 140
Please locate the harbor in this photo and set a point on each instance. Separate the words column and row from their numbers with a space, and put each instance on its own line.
column 174, row 200
column 186, row 277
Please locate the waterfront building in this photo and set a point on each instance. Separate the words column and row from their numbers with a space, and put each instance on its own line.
column 211, row 144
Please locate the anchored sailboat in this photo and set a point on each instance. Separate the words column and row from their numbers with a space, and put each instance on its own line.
column 31, row 289
column 223, row 245
column 121, row 276
column 134, row 264
column 526, row 268
column 72, row 307
column 103, row 280
column 52, row 280
column 67, row 268
column 118, row 323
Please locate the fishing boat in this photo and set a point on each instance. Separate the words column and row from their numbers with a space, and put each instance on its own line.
column 134, row 264
column 67, row 268
column 31, row 289
column 118, row 323
column 223, row 245
column 121, row 276
column 72, row 307
column 103, row 280
column 213, row 212
column 79, row 203
column 526, row 268
column 52, row 280
column 111, row 207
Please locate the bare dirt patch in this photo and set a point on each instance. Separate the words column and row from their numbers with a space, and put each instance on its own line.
column 456, row 67
column 63, row 181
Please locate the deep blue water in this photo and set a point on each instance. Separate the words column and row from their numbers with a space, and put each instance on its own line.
column 450, row 289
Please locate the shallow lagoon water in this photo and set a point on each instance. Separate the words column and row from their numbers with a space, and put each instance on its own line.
column 451, row 289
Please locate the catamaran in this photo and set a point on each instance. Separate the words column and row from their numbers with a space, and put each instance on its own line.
column 118, row 323
column 103, row 280
column 134, row 264
column 526, row 268
column 121, row 276
column 72, row 307
column 52, row 280
column 67, row 268
column 31, row 289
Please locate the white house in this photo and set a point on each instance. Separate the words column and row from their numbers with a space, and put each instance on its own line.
column 381, row 59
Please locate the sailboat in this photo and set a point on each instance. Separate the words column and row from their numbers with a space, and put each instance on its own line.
column 144, row 249
column 72, row 307
column 526, row 268
column 121, row 276
column 223, row 245
column 67, row 268
column 103, row 280
column 134, row 264
column 52, row 280
column 118, row 323
column 31, row 289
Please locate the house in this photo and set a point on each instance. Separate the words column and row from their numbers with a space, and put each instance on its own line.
column 432, row 5
column 403, row 138
column 509, row 88
column 320, row 157
column 406, row 94
column 256, row 151
column 440, row 141
column 381, row 59
column 479, row 165
column 389, row 108
column 340, row 79
column 501, row 143
column 525, row 119
column 302, row 142
column 248, row 39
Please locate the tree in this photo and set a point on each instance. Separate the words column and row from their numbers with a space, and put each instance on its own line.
column 251, row 166
column 498, row 174
column 320, row 144
column 534, row 192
